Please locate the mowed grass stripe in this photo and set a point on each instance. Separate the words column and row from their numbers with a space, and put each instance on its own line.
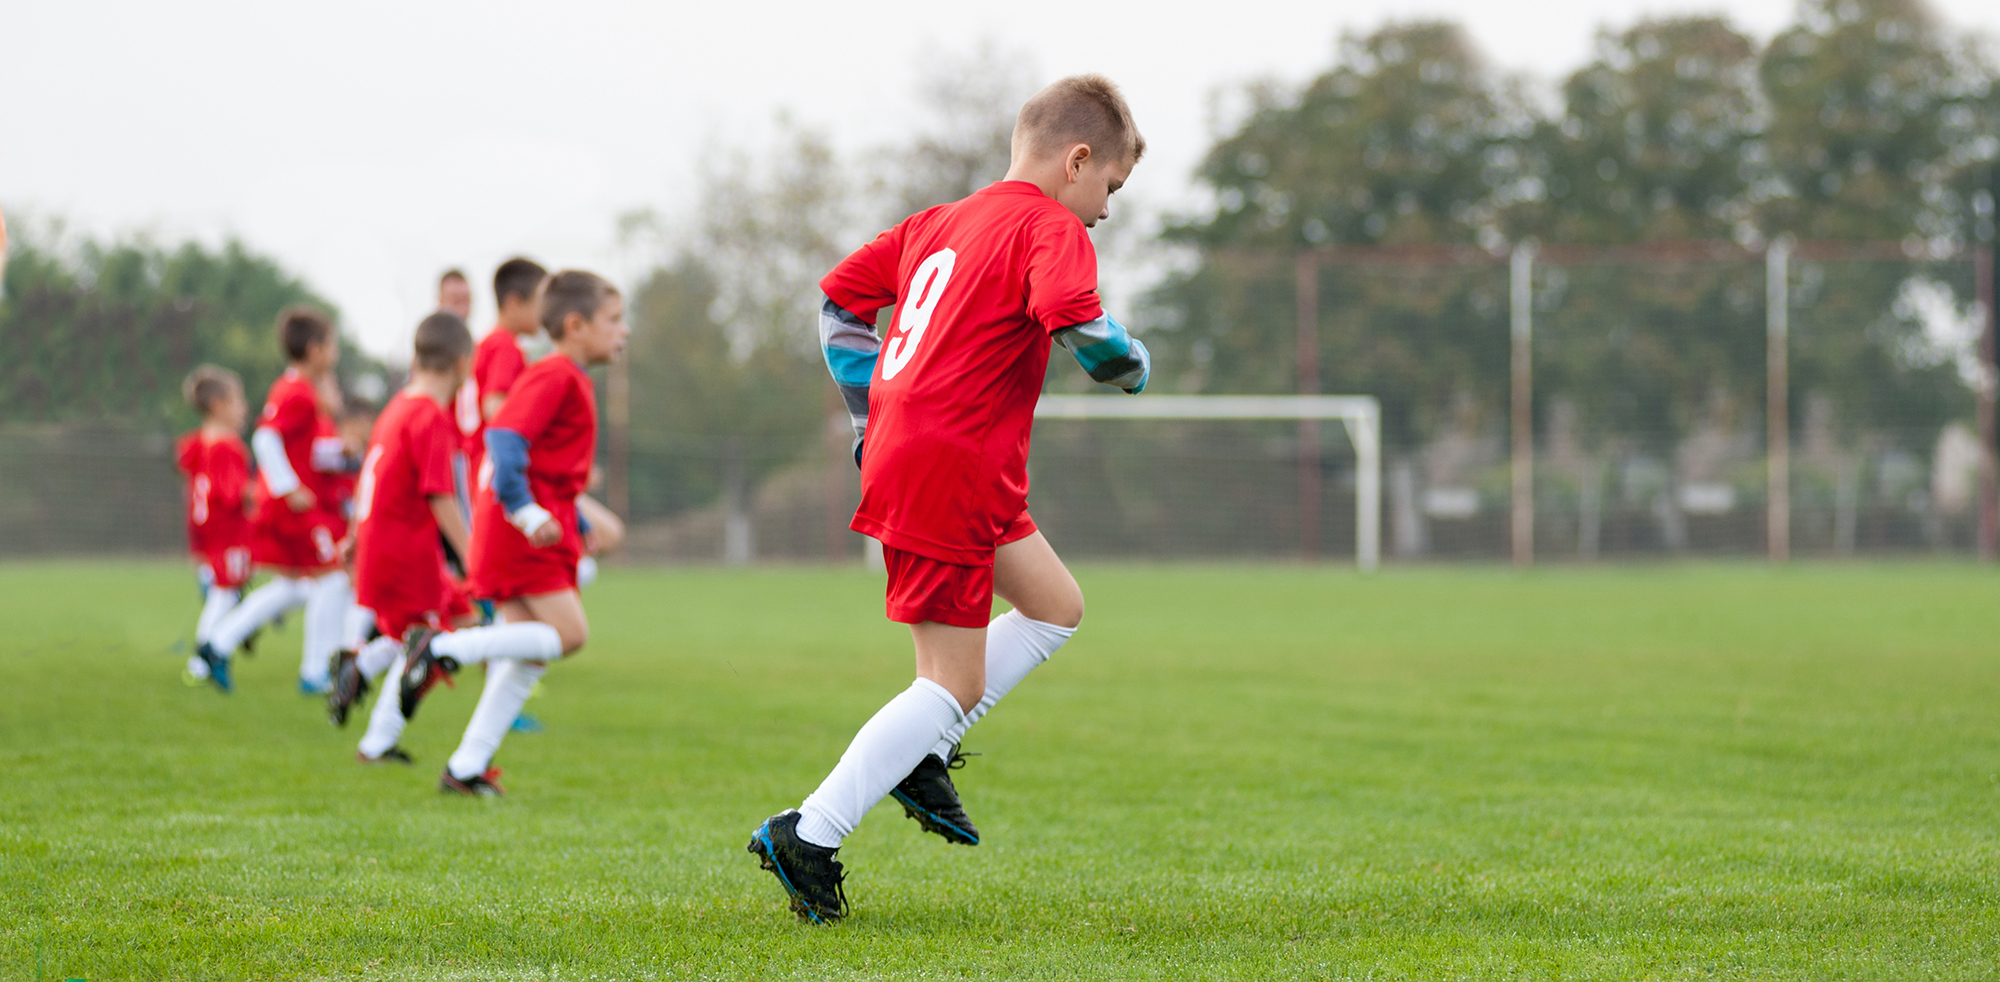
column 1233, row 772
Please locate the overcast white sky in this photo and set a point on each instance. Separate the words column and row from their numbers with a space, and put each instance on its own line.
column 371, row 144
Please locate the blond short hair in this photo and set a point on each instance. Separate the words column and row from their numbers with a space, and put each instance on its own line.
column 1085, row 109
column 208, row 385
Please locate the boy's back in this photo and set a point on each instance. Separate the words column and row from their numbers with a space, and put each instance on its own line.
column 217, row 471
column 981, row 283
column 398, row 564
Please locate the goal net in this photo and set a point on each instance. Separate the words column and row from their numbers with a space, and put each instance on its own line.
column 1209, row 476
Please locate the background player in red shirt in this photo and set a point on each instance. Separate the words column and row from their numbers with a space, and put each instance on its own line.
column 982, row 288
column 299, row 524
column 217, row 467
column 404, row 502
column 499, row 360
column 525, row 536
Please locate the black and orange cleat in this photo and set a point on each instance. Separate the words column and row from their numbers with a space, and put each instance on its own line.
column 349, row 687
column 479, row 786
column 393, row 755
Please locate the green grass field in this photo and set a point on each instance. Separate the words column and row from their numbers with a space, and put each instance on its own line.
column 1710, row 771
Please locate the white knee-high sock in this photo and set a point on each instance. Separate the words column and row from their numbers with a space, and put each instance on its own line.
column 386, row 722
column 376, row 656
column 327, row 604
column 354, row 627
column 508, row 682
column 217, row 605
column 1015, row 646
column 532, row 640
column 265, row 604
column 888, row 746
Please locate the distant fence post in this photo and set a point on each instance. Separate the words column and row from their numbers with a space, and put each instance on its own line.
column 1777, row 411
column 1522, row 464
column 1989, row 378
column 1307, row 275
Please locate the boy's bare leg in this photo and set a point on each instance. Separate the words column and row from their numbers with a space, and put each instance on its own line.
column 1048, row 606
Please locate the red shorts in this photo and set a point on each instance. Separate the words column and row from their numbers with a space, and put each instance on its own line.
column 925, row 589
column 228, row 568
column 296, row 540
column 506, row 567
column 396, row 623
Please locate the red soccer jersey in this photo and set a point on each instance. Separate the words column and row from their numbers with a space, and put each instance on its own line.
column 294, row 412
column 554, row 407
column 979, row 285
column 497, row 365
column 217, row 472
column 398, row 565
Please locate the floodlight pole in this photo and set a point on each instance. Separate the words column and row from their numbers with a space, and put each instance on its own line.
column 1989, row 379
column 1307, row 275
column 1522, row 295
column 1777, row 405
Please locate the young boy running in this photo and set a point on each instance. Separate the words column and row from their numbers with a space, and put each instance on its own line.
column 217, row 467
column 982, row 287
column 300, row 520
column 405, row 501
column 525, row 535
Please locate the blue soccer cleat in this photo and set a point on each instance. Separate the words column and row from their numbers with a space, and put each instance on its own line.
column 218, row 667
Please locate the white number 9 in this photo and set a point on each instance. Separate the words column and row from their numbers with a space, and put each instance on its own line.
column 926, row 286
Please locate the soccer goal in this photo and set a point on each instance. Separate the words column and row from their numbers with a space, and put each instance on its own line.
column 1362, row 416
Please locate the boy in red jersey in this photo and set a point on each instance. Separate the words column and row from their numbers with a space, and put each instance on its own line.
column 217, row 466
column 403, row 504
column 526, row 537
column 983, row 288
column 300, row 521
column 499, row 361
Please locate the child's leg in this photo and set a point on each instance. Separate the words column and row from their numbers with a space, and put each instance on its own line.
column 265, row 604
column 385, row 722
column 327, row 602
column 509, row 680
column 1048, row 606
column 215, row 606
column 951, row 670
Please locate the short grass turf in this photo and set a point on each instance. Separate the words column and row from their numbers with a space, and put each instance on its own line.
column 1707, row 771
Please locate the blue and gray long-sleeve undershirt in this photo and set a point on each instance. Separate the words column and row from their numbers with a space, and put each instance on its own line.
column 508, row 452
column 1107, row 352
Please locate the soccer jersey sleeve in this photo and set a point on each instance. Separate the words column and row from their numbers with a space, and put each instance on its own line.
column 502, row 370
column 1108, row 353
column 1062, row 274
column 530, row 408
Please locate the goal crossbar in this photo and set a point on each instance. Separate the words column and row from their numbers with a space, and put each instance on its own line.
column 1362, row 415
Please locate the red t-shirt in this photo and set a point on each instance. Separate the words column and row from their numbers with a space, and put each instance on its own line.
column 398, row 565
column 554, row 407
column 497, row 365
column 293, row 410
column 218, row 472
column 979, row 286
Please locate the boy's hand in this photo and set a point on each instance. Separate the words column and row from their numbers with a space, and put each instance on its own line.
column 546, row 534
column 537, row 524
column 301, row 499
column 590, row 543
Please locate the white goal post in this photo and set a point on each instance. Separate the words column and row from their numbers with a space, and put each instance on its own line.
column 1361, row 414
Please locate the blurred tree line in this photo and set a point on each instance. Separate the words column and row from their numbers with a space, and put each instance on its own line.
column 102, row 333
column 1867, row 119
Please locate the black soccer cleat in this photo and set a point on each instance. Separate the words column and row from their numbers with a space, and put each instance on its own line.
column 809, row 873
column 393, row 755
column 422, row 670
column 928, row 796
column 349, row 687
column 478, row 786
